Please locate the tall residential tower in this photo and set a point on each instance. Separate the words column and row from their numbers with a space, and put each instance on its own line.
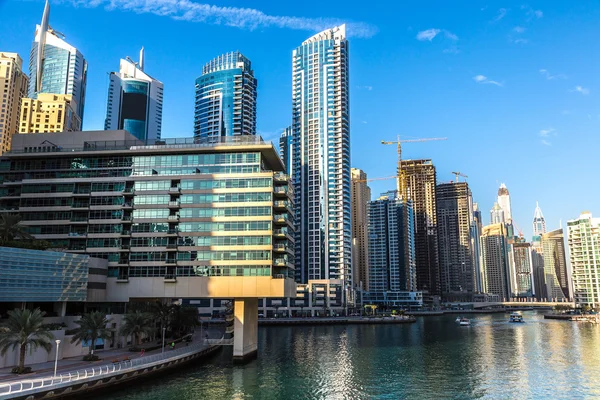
column 584, row 248
column 13, row 87
column 361, row 195
column 504, row 203
column 321, row 157
column 225, row 98
column 135, row 101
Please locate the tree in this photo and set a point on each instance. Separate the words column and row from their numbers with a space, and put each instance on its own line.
column 22, row 329
column 11, row 228
column 92, row 327
column 183, row 319
column 136, row 324
column 162, row 313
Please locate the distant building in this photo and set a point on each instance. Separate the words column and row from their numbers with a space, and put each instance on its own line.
column 49, row 113
column 504, row 203
column 494, row 256
column 392, row 266
column 497, row 214
column 539, row 223
column 285, row 149
column 420, row 178
column 521, row 278
column 476, row 228
column 454, row 222
column 361, row 195
column 556, row 276
column 226, row 98
column 56, row 67
column 584, row 248
column 135, row 101
column 13, row 87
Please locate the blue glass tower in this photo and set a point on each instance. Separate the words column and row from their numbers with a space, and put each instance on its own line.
column 320, row 166
column 226, row 98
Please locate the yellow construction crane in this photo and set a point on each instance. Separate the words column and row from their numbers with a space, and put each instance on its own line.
column 457, row 174
column 375, row 179
column 401, row 179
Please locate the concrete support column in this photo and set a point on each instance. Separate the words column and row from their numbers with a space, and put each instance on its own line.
column 245, row 329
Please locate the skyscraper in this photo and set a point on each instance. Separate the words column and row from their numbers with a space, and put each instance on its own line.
column 226, row 98
column 361, row 195
column 539, row 229
column 420, row 179
column 49, row 113
column 391, row 242
column 497, row 214
column 495, row 260
column 556, row 275
column 135, row 101
column 13, row 87
column 584, row 247
column 321, row 157
column 55, row 66
column 476, row 228
column 454, row 219
column 285, row 149
column 521, row 276
column 539, row 223
column 504, row 203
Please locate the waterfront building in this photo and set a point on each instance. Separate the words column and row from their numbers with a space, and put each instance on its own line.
column 361, row 195
column 584, row 249
column 504, row 203
column 420, row 179
column 521, row 278
column 476, row 228
column 226, row 98
column 556, row 276
column 135, row 101
column 13, row 87
column 539, row 273
column 285, row 149
column 55, row 66
column 454, row 223
column 49, row 113
column 176, row 218
column 494, row 255
column 391, row 246
column 497, row 214
column 321, row 157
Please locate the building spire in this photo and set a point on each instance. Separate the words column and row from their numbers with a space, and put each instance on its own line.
column 141, row 64
column 41, row 44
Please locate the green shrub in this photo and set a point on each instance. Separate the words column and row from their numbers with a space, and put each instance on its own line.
column 90, row 357
column 17, row 370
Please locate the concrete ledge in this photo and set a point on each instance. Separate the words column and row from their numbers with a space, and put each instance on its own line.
column 334, row 321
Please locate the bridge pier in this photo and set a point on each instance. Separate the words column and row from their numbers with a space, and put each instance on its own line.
column 245, row 329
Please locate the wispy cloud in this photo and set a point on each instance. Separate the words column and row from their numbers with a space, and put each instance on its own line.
column 238, row 17
column 500, row 14
column 582, row 90
column 519, row 29
column 551, row 77
column 545, row 142
column 366, row 87
column 430, row 34
column 520, row 41
column 484, row 79
column 364, row 122
column 532, row 13
column 547, row 132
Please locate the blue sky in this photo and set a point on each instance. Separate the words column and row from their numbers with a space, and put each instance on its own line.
column 512, row 85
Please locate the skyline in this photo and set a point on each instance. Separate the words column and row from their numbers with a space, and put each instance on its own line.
column 515, row 92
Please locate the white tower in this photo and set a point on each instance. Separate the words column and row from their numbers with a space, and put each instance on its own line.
column 504, row 203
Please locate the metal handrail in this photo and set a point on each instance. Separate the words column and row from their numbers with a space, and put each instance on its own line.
column 94, row 372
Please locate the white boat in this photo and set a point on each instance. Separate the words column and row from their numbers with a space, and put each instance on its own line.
column 515, row 317
column 464, row 322
column 457, row 320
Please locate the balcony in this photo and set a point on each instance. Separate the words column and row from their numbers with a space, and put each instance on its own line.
column 175, row 189
column 280, row 177
column 174, row 204
column 171, row 278
column 173, row 218
column 172, row 232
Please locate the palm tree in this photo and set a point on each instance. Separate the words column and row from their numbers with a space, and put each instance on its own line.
column 92, row 327
column 135, row 324
column 25, row 328
column 11, row 228
column 162, row 313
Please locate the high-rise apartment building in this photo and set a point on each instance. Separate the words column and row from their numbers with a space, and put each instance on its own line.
column 321, row 157
column 420, row 180
column 226, row 98
column 556, row 276
column 135, row 101
column 504, row 203
column 454, row 221
column 494, row 257
column 584, row 248
column 49, row 113
column 13, row 87
column 392, row 266
column 285, row 149
column 521, row 277
column 497, row 214
column 55, row 66
column 476, row 229
column 361, row 195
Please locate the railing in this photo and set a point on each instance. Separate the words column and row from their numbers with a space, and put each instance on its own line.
column 93, row 373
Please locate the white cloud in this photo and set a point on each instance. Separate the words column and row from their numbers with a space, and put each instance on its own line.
column 501, row 14
column 484, row 79
column 450, row 35
column 519, row 29
column 243, row 18
column 582, row 90
column 364, row 122
column 531, row 13
column 547, row 132
column 520, row 41
column 366, row 87
column 428, row 34
column 550, row 77
column 546, row 143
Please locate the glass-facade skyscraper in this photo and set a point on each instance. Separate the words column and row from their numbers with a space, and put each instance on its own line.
column 135, row 101
column 55, row 66
column 226, row 98
column 321, row 157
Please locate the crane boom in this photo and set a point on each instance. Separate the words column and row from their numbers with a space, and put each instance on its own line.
column 375, row 179
column 457, row 174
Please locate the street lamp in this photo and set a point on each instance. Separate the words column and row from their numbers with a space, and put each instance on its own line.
column 163, row 339
column 56, row 358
